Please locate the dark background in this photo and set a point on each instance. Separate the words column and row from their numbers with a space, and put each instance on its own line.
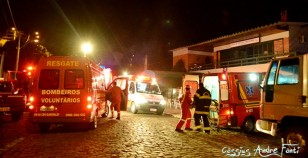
column 124, row 31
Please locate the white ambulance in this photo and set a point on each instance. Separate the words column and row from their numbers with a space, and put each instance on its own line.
column 144, row 95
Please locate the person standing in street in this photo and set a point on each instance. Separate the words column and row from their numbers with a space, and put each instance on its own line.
column 185, row 101
column 202, row 102
column 116, row 93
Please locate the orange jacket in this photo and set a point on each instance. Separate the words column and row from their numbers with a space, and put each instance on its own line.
column 186, row 100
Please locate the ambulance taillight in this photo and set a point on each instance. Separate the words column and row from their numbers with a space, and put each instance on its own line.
column 230, row 112
column 223, row 77
column 89, row 102
column 30, row 102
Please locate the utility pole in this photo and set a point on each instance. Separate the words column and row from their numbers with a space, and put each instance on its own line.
column 2, row 62
column 18, row 52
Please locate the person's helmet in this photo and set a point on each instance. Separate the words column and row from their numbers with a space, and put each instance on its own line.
column 187, row 87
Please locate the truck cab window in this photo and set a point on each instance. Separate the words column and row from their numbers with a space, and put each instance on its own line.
column 272, row 74
column 288, row 72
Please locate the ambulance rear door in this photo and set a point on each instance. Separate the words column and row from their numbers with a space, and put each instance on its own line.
column 219, row 92
column 64, row 93
column 192, row 81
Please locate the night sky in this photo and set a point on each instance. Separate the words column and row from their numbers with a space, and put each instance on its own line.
column 127, row 30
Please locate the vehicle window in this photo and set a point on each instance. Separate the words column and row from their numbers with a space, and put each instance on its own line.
column 5, row 87
column 272, row 74
column 224, row 90
column 132, row 87
column 49, row 79
column 74, row 79
column 288, row 71
column 147, row 87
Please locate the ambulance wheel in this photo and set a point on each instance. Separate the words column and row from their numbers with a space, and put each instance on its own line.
column 296, row 135
column 248, row 125
column 160, row 111
column 93, row 124
column 133, row 108
column 44, row 127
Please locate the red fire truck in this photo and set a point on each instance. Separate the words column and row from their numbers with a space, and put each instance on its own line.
column 238, row 97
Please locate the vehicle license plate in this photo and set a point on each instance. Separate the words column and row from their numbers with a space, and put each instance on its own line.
column 152, row 109
column 4, row 108
column 47, row 108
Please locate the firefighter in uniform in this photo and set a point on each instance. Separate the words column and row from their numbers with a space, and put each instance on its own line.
column 116, row 93
column 202, row 102
column 186, row 102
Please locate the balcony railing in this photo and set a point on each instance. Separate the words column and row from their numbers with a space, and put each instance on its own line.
column 237, row 62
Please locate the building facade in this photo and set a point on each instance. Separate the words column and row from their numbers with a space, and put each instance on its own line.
column 248, row 50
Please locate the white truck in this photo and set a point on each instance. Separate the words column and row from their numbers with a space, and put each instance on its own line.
column 284, row 108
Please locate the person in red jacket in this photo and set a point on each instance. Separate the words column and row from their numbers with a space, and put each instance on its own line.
column 186, row 114
column 116, row 93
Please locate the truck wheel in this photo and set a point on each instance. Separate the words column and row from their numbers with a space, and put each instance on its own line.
column 93, row 124
column 248, row 125
column 44, row 127
column 133, row 108
column 296, row 135
column 160, row 111
column 16, row 116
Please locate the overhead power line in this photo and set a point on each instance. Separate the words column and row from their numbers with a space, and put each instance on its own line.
column 11, row 13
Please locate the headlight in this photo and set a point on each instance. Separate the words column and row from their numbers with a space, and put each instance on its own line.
column 163, row 102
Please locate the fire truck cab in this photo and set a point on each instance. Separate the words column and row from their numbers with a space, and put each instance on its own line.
column 238, row 97
column 144, row 95
column 68, row 89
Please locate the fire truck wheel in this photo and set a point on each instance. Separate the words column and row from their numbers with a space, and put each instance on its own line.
column 44, row 127
column 297, row 135
column 93, row 124
column 248, row 125
column 133, row 108
column 16, row 116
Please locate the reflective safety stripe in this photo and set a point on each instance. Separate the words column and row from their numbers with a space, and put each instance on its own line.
column 206, row 96
column 201, row 112
column 207, row 128
column 198, row 127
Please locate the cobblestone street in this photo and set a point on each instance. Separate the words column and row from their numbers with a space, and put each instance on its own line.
column 135, row 135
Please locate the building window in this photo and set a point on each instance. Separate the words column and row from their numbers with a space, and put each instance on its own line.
column 248, row 51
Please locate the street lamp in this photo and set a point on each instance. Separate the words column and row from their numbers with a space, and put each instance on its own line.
column 36, row 37
column 86, row 48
